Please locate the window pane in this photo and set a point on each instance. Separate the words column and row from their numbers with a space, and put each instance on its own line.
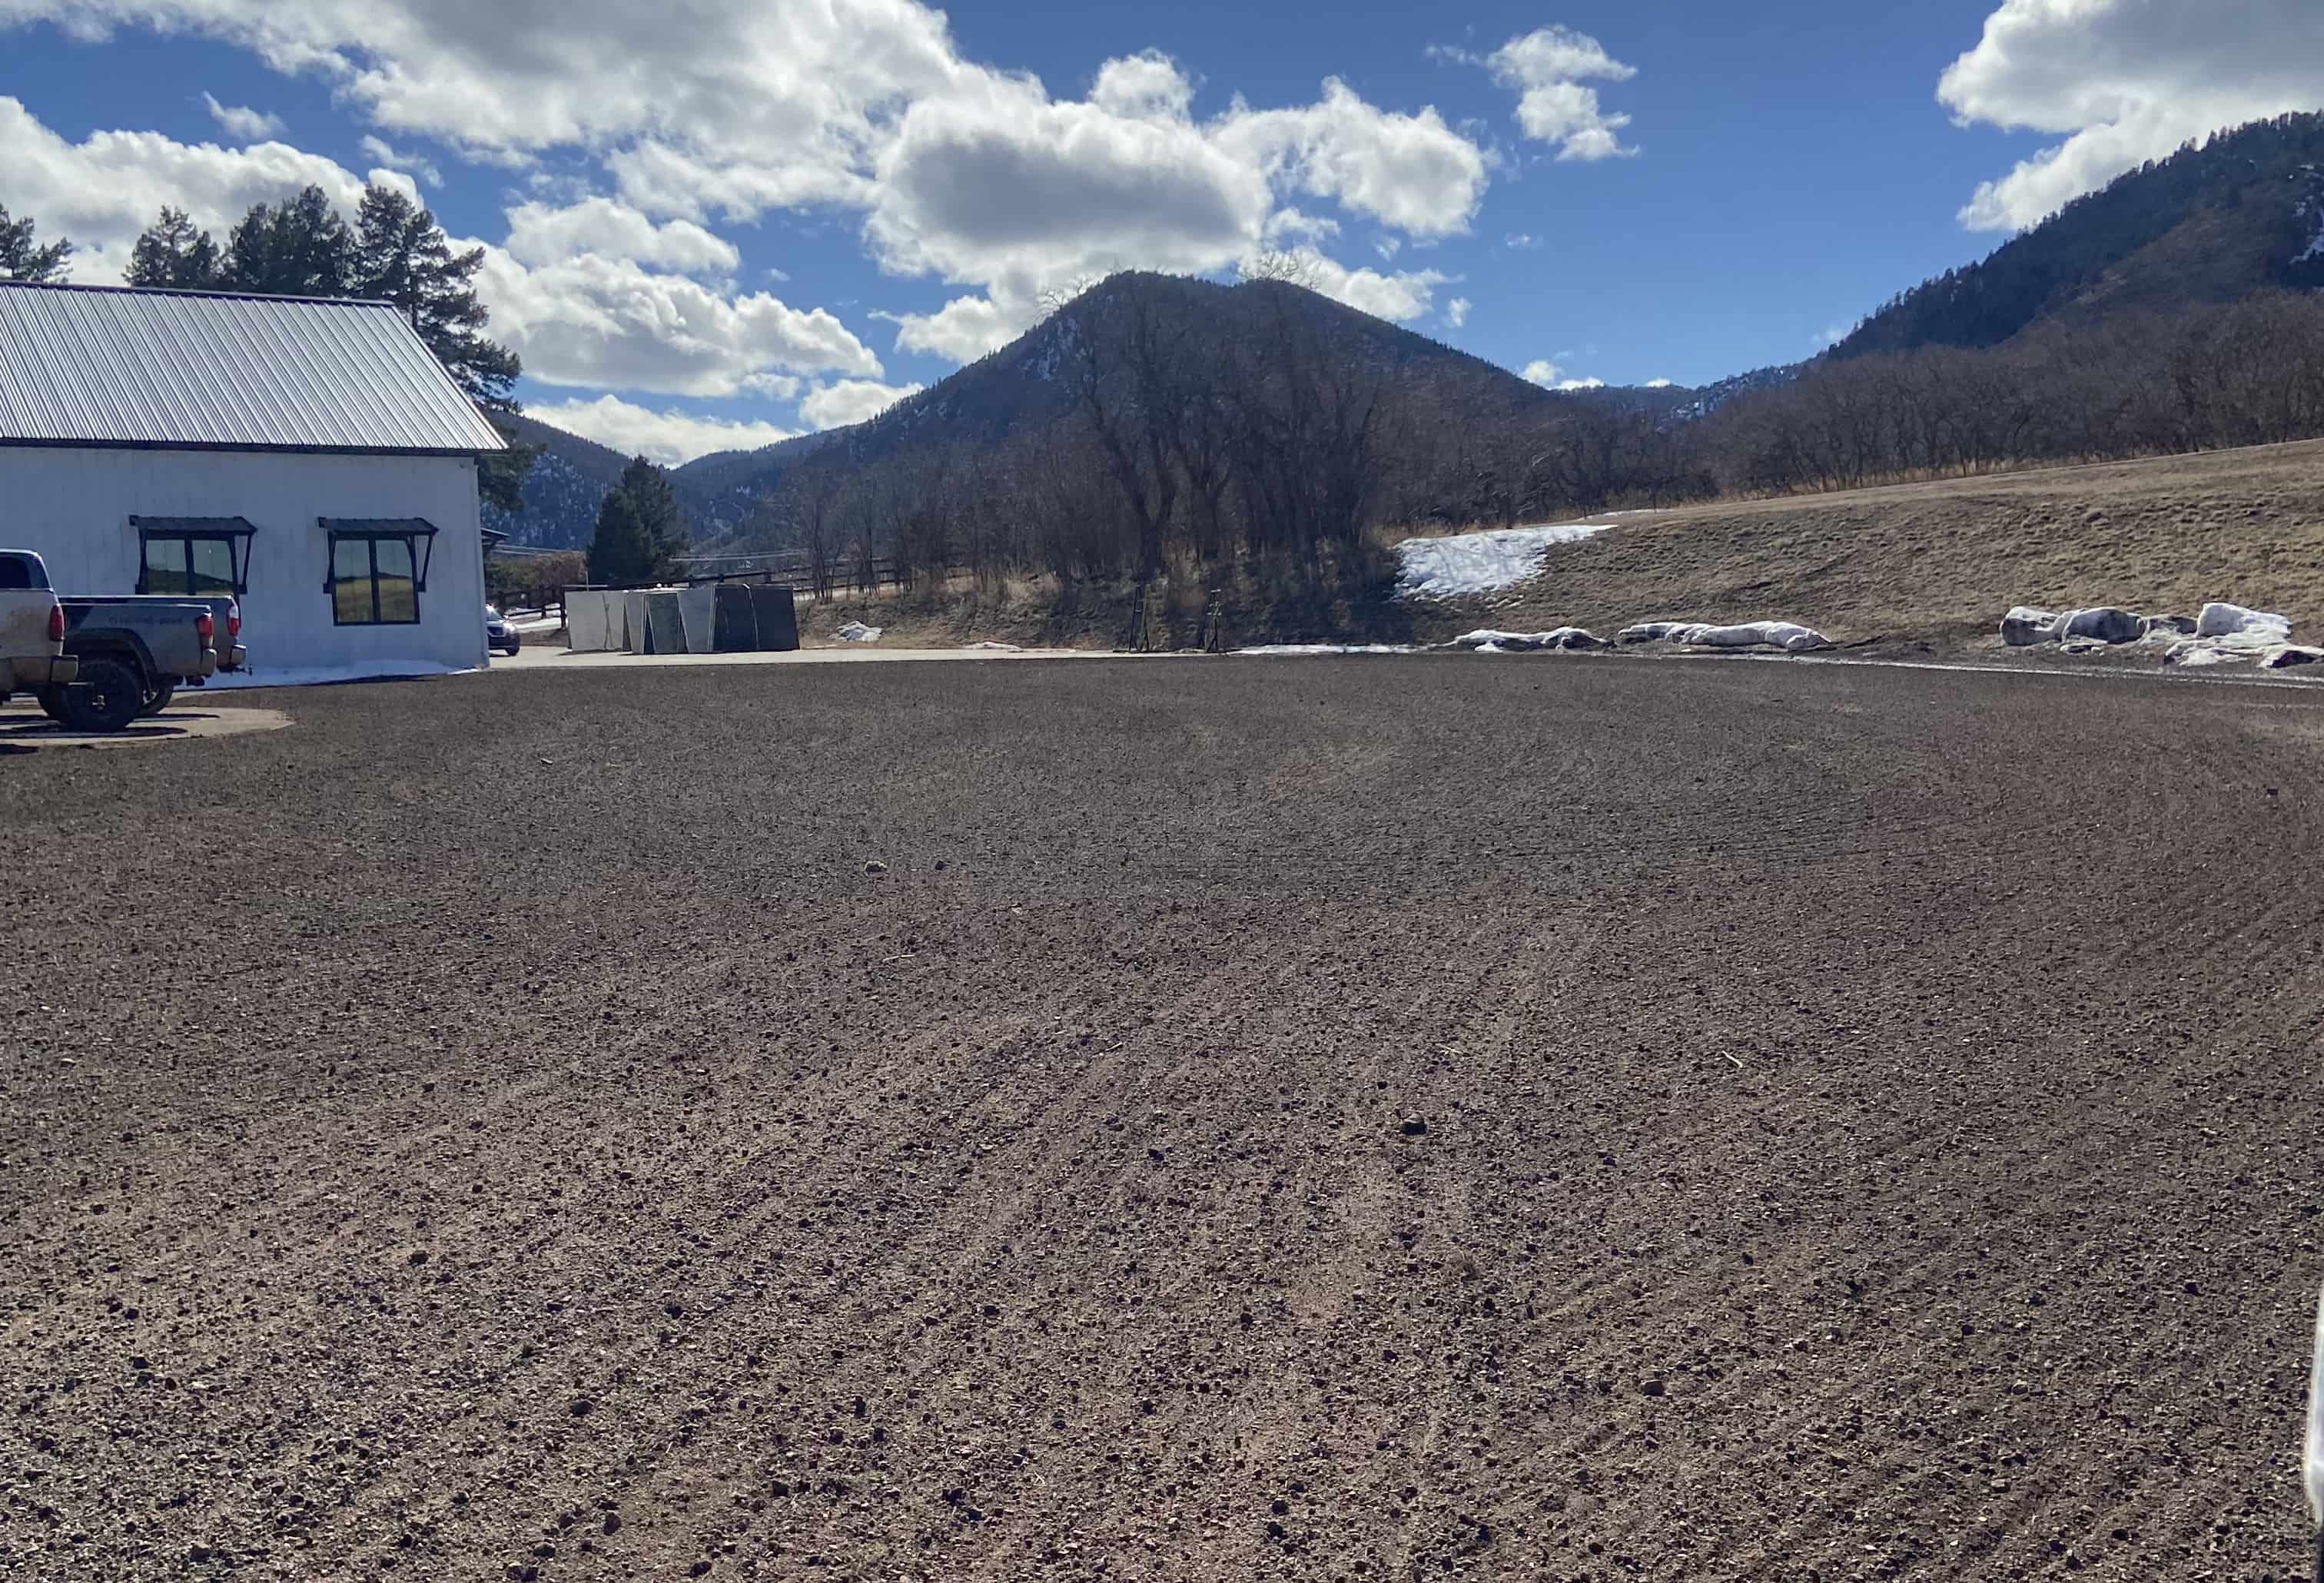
column 399, row 599
column 213, row 565
column 351, row 600
column 165, row 566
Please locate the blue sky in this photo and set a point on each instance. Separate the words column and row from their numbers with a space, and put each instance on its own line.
column 787, row 214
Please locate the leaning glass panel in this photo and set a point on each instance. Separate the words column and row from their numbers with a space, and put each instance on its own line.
column 213, row 565
column 165, row 566
column 351, row 586
column 398, row 597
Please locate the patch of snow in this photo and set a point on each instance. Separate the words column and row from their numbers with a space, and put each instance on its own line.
column 2221, row 620
column 2027, row 625
column 1469, row 564
column 2315, row 248
column 1488, row 640
column 2264, row 646
column 1660, row 632
column 999, row 648
column 857, row 632
column 1284, row 649
column 2103, row 623
column 1788, row 635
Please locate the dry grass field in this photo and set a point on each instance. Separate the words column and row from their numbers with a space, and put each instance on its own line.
column 1201, row 1120
column 1941, row 561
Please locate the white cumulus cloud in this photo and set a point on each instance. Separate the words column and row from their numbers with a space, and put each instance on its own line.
column 670, row 437
column 1401, row 297
column 1549, row 70
column 386, row 153
column 611, row 323
column 965, row 328
column 242, row 123
column 2124, row 81
column 961, row 173
column 105, row 188
column 1547, row 374
column 1456, row 312
column 849, row 400
column 541, row 233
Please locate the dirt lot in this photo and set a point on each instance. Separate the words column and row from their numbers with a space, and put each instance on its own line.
column 1870, row 1127
column 1939, row 562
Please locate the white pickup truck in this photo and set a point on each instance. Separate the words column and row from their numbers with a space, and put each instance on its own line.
column 32, row 629
column 132, row 651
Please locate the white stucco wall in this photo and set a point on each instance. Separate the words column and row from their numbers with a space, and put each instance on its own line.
column 73, row 506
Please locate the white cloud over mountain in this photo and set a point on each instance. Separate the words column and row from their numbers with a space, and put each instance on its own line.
column 670, row 437
column 849, row 400
column 961, row 173
column 1546, row 372
column 633, row 145
column 2124, row 81
column 610, row 323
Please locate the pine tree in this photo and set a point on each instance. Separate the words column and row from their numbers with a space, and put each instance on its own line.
column 297, row 248
column 20, row 259
column 172, row 252
column 639, row 530
column 401, row 256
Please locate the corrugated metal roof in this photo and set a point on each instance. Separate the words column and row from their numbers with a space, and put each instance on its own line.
column 83, row 366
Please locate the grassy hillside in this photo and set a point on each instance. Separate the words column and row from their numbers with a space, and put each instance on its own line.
column 1939, row 562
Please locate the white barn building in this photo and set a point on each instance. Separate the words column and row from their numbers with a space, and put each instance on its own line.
column 310, row 456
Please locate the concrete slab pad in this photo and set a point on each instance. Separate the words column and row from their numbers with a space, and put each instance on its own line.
column 24, row 729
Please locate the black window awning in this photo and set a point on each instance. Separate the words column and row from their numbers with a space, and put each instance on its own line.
column 378, row 527
column 197, row 527
column 405, row 528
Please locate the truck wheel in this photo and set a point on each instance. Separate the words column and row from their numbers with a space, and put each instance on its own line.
column 51, row 699
column 160, row 699
column 107, row 698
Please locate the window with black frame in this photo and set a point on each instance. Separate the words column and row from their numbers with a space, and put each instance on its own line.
column 199, row 555
column 378, row 571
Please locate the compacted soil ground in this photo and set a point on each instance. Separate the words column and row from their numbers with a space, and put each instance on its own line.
column 1190, row 1120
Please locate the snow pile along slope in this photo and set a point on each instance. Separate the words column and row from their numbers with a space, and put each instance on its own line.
column 1488, row 641
column 1471, row 564
column 1788, row 635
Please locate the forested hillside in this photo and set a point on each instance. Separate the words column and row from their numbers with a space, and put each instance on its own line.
column 2241, row 212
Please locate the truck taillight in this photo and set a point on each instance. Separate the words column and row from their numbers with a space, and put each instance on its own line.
column 55, row 623
column 204, row 626
column 234, row 624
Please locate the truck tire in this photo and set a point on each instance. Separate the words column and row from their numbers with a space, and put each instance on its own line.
column 107, row 698
column 51, row 699
column 160, row 698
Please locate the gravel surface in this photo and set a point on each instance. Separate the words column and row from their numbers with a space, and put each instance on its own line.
column 1357, row 1118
